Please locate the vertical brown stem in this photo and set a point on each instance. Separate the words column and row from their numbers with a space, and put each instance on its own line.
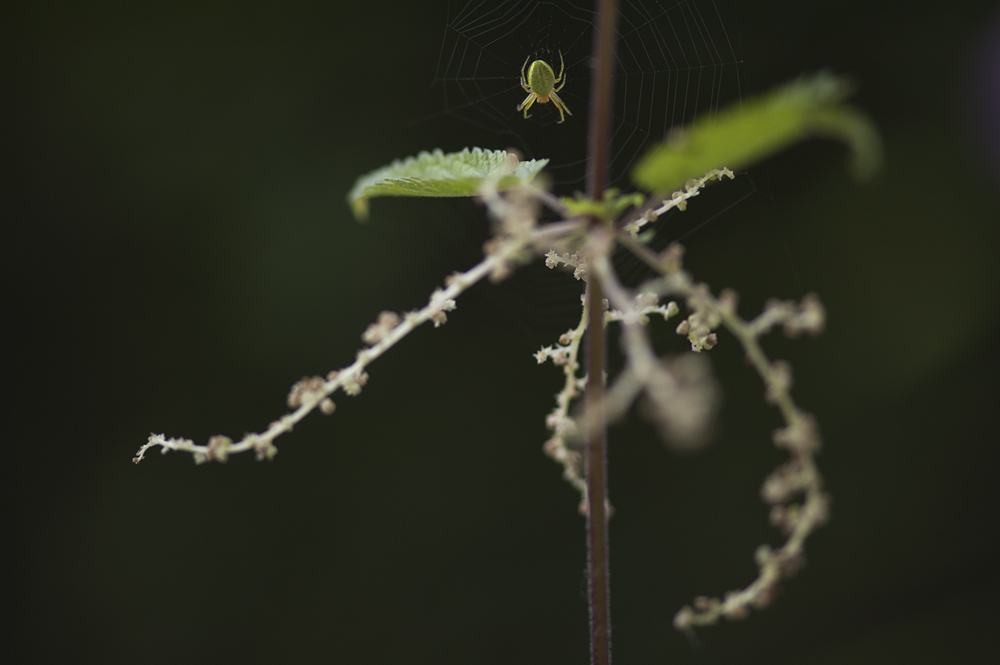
column 596, row 458
column 602, row 95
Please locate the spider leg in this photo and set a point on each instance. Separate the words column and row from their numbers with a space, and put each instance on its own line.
column 524, row 84
column 561, row 105
column 562, row 68
column 526, row 104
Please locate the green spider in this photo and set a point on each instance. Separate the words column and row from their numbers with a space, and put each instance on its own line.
column 541, row 86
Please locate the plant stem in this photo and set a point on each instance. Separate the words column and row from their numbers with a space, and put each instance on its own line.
column 602, row 95
column 596, row 458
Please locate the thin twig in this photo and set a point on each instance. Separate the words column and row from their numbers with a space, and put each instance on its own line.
column 314, row 392
column 800, row 437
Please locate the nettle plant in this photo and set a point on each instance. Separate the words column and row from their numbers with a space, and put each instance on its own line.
column 677, row 392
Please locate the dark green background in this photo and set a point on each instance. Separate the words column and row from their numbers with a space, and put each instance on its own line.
column 177, row 252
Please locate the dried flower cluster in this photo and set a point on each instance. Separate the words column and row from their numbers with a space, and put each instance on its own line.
column 676, row 393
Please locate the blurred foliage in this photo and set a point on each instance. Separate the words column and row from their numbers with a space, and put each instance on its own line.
column 755, row 128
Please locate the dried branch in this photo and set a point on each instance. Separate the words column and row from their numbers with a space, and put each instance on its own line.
column 566, row 354
column 800, row 437
column 516, row 240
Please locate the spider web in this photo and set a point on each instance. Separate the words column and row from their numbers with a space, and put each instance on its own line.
column 676, row 61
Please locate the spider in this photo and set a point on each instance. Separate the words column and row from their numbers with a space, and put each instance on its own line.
column 541, row 86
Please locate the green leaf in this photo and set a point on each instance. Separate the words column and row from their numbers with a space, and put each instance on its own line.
column 613, row 204
column 438, row 174
column 737, row 137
